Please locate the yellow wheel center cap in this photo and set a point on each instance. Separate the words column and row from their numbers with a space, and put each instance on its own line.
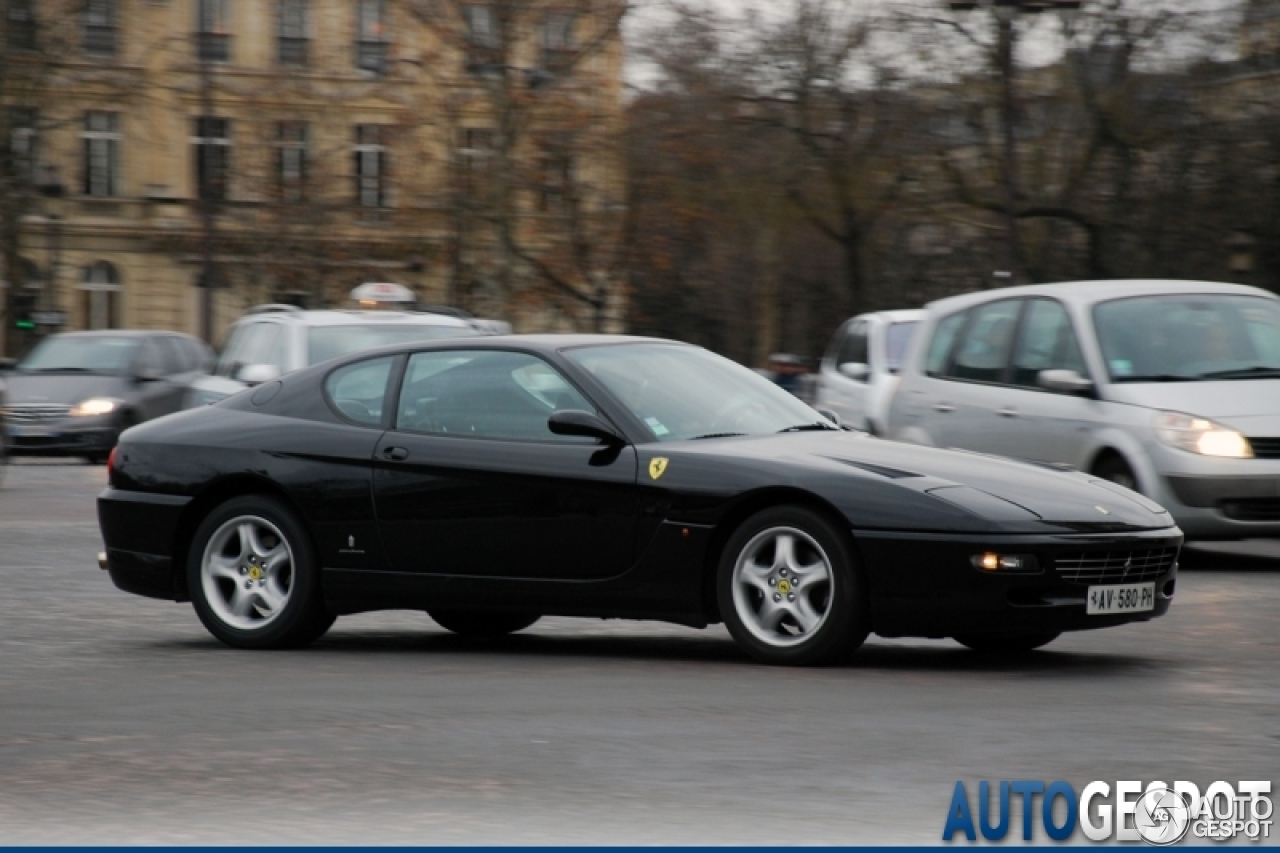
column 255, row 573
column 784, row 586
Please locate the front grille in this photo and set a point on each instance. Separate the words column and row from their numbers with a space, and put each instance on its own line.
column 30, row 413
column 1265, row 448
column 1252, row 509
column 1116, row 566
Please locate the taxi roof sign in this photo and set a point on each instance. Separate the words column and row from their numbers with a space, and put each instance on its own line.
column 378, row 292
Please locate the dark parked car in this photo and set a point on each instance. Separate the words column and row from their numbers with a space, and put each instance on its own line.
column 76, row 392
column 489, row 481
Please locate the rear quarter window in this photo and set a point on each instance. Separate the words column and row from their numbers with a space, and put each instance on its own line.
column 359, row 391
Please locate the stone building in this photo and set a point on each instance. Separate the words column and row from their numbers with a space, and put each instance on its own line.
column 292, row 149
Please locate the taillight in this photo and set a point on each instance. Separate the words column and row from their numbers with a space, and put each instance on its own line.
column 111, row 463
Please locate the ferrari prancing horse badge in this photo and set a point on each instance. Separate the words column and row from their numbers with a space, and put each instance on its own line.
column 657, row 466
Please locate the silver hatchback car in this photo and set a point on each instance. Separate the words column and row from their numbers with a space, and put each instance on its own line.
column 1170, row 388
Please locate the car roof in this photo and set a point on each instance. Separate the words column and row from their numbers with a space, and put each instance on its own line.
column 354, row 317
column 1090, row 292
column 121, row 333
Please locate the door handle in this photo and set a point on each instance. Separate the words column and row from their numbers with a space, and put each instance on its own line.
column 1007, row 413
column 395, row 454
column 943, row 407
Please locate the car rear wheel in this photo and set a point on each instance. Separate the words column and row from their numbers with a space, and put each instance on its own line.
column 789, row 589
column 254, row 577
column 480, row 623
column 1116, row 470
column 1007, row 644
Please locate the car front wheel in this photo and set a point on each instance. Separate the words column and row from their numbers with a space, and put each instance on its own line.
column 789, row 589
column 254, row 577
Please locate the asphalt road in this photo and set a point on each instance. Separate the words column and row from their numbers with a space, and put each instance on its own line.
column 122, row 721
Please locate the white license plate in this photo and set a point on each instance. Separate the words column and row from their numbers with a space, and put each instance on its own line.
column 1121, row 598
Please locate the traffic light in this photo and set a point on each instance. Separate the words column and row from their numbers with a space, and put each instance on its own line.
column 23, row 305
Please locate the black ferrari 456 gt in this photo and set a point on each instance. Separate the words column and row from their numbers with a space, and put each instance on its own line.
column 490, row 481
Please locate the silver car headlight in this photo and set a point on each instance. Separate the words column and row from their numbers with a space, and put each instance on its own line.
column 94, row 407
column 1201, row 435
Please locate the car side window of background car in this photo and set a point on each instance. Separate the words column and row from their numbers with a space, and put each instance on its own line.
column 148, row 360
column 485, row 394
column 1047, row 341
column 983, row 352
column 942, row 342
column 358, row 391
column 171, row 360
column 853, row 349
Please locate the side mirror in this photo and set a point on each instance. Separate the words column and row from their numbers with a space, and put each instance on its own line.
column 829, row 415
column 256, row 374
column 1064, row 381
column 576, row 422
column 855, row 370
column 146, row 374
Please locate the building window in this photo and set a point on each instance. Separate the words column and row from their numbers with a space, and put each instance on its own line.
column 291, row 160
column 22, row 24
column 23, row 141
column 558, row 43
column 101, row 295
column 212, row 144
column 557, row 179
column 213, row 39
column 477, row 160
column 484, row 39
column 100, row 27
column 292, row 39
column 371, row 166
column 101, row 137
column 371, row 36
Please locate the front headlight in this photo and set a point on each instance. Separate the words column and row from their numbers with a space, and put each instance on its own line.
column 1200, row 435
column 95, row 406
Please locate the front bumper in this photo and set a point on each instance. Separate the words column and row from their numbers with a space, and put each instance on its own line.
column 923, row 585
column 64, row 437
column 1218, row 498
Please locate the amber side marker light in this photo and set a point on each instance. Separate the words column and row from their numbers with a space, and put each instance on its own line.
column 990, row 561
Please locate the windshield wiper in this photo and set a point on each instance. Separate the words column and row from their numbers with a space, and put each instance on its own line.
column 816, row 425
column 1158, row 377
column 1257, row 371
column 717, row 435
column 56, row 369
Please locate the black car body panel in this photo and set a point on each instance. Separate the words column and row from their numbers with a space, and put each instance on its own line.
column 407, row 520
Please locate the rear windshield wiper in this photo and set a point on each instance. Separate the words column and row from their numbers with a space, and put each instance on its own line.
column 1258, row 371
column 816, row 425
column 717, row 435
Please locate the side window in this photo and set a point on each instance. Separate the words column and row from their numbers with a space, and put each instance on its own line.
column 853, row 350
column 276, row 351
column 171, row 360
column 944, row 338
column 359, row 390
column 485, row 394
column 148, row 359
column 984, row 350
column 1047, row 342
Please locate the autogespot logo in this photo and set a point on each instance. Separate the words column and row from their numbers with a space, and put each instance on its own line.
column 1158, row 814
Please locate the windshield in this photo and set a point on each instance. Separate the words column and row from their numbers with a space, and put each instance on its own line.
column 326, row 342
column 81, row 354
column 1186, row 338
column 684, row 392
column 896, row 339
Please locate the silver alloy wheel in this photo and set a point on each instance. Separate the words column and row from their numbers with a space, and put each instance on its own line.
column 782, row 586
column 247, row 572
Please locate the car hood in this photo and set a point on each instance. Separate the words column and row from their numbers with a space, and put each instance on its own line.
column 1237, row 398
column 66, row 389
column 1003, row 491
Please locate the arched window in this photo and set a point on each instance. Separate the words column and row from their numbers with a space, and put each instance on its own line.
column 100, row 288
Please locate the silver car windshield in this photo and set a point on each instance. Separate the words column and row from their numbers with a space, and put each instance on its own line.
column 326, row 342
column 684, row 392
column 80, row 354
column 1189, row 338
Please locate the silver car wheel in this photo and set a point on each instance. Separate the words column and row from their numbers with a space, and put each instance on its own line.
column 247, row 572
column 782, row 586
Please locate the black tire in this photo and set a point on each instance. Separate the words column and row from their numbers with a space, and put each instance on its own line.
column 300, row 619
column 747, row 610
column 481, row 623
column 1115, row 469
column 1007, row 644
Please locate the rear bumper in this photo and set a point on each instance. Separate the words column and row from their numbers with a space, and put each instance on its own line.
column 924, row 585
column 140, row 533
